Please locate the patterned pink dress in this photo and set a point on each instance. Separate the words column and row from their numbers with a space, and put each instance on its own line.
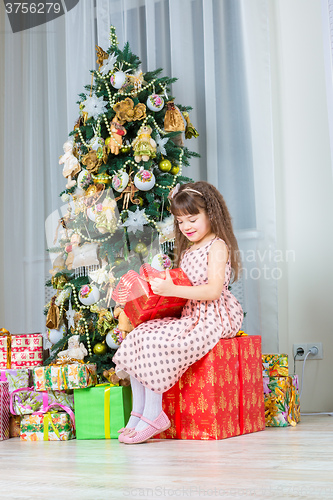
column 159, row 351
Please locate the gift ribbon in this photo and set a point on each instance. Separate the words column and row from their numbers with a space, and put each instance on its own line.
column 107, row 410
column 123, row 289
column 45, row 403
column 47, row 420
column 241, row 388
column 5, row 333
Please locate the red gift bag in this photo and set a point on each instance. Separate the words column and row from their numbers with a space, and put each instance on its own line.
column 141, row 304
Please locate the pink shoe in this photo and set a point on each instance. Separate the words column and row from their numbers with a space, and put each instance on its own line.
column 160, row 424
column 126, row 430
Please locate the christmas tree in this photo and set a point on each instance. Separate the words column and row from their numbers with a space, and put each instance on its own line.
column 123, row 157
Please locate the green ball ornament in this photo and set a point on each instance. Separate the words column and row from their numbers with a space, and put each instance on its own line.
column 141, row 248
column 174, row 170
column 100, row 349
column 140, row 201
column 165, row 165
column 125, row 149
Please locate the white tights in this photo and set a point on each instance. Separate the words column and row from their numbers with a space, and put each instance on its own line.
column 146, row 403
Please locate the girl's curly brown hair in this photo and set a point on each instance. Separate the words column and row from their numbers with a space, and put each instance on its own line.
column 186, row 202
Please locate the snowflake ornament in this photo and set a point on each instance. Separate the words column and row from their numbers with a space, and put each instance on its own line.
column 160, row 144
column 108, row 64
column 136, row 220
column 94, row 106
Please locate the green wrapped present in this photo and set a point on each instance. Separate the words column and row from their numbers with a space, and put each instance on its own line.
column 63, row 377
column 50, row 426
column 281, row 397
column 101, row 411
column 275, row 365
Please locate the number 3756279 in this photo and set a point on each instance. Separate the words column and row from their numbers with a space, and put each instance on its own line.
column 33, row 8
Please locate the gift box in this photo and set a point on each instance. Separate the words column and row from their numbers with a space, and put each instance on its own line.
column 14, row 426
column 17, row 378
column 275, row 365
column 101, row 411
column 26, row 400
column 4, row 411
column 220, row 395
column 282, row 405
column 63, row 377
column 141, row 304
column 51, row 426
column 20, row 351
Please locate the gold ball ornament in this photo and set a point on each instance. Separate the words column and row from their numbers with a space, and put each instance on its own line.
column 140, row 201
column 174, row 170
column 100, row 349
column 165, row 165
column 125, row 149
column 141, row 248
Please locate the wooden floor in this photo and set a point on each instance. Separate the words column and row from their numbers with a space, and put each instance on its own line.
column 276, row 463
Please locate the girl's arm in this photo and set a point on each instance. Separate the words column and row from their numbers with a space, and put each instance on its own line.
column 217, row 259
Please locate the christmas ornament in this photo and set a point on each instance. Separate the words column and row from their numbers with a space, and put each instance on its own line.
column 128, row 194
column 174, row 170
column 52, row 318
column 144, row 146
column 136, row 81
column 174, row 122
column 106, row 220
column 99, row 276
column 74, row 242
column 59, row 281
column 70, row 316
column 124, row 324
column 101, row 56
column 58, row 265
column 118, row 261
column 161, row 143
column 112, row 339
column 107, row 64
column 84, row 179
column 141, row 248
column 166, row 233
column 71, row 164
column 116, row 139
column 161, row 262
column 127, row 112
column 89, row 294
column 100, row 349
column 93, row 161
column 94, row 106
column 63, row 296
column 91, row 213
column 136, row 220
column 65, row 197
column 85, row 255
column 97, row 144
column 165, row 165
column 140, row 201
column 102, row 179
column 155, row 102
column 190, row 131
column 144, row 180
column 76, row 349
column 120, row 181
column 54, row 335
column 126, row 149
column 118, row 79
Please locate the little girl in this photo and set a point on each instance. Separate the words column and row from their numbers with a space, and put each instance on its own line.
column 156, row 353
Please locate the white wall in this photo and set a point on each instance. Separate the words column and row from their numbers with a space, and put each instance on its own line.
column 2, row 78
column 304, row 191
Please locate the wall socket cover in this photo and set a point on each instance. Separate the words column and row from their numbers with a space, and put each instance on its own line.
column 306, row 348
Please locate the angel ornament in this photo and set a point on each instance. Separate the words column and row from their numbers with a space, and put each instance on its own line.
column 70, row 162
column 76, row 349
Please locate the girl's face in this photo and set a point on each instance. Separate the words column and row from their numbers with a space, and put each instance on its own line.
column 195, row 227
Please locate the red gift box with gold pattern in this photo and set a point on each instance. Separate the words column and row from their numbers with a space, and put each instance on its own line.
column 219, row 396
column 141, row 304
column 20, row 351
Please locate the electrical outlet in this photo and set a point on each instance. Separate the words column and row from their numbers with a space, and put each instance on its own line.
column 299, row 357
column 306, row 348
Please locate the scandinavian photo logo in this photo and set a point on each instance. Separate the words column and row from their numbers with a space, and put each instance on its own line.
column 25, row 15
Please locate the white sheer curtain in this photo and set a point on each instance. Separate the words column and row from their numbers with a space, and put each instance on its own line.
column 219, row 51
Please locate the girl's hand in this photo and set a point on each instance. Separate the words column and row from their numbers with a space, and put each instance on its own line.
column 164, row 287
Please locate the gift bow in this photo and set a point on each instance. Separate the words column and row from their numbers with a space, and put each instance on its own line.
column 121, row 292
